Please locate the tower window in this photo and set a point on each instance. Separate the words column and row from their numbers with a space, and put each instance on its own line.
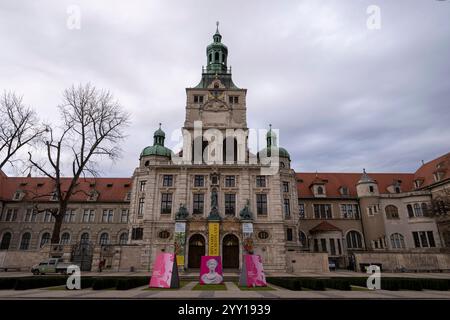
column 216, row 57
column 233, row 99
column 370, row 188
column 198, row 99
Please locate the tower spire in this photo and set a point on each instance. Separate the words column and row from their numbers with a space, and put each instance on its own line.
column 217, row 27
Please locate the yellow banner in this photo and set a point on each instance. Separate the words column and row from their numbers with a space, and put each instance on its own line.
column 180, row 260
column 213, row 247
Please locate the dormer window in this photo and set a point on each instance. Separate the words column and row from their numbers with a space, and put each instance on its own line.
column 128, row 196
column 109, row 185
column 54, row 196
column 39, row 184
column 17, row 196
column 344, row 191
column 417, row 183
column 320, row 190
column 397, row 190
column 93, row 196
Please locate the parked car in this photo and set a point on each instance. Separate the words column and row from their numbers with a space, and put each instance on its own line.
column 52, row 265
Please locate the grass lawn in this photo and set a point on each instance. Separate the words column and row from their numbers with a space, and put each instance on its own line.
column 268, row 288
column 209, row 287
column 182, row 284
column 356, row 288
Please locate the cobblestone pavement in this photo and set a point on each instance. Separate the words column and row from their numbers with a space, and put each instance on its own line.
column 232, row 292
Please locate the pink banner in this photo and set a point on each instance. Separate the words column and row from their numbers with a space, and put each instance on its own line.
column 162, row 271
column 255, row 271
column 211, row 270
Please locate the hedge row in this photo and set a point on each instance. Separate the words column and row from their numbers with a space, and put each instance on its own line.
column 97, row 283
column 387, row 283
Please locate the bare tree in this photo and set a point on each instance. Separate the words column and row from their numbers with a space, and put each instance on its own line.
column 92, row 125
column 18, row 126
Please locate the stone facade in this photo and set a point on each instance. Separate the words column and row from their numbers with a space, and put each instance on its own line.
column 301, row 221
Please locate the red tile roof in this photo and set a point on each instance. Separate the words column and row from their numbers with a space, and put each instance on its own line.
column 40, row 188
column 426, row 171
column 349, row 180
column 324, row 227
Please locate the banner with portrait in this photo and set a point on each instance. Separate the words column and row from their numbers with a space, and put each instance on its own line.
column 211, row 270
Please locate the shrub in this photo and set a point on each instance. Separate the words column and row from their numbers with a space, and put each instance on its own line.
column 101, row 283
column 338, row 284
column 7, row 283
column 39, row 282
column 436, row 284
column 132, row 282
column 288, row 283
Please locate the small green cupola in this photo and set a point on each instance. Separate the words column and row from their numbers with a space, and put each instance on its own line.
column 158, row 148
column 271, row 138
column 216, row 54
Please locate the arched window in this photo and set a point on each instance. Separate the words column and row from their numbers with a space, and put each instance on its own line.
column 354, row 240
column 84, row 237
column 6, row 241
column 319, row 190
column 210, row 58
column 397, row 241
column 424, row 209
column 391, row 212
column 417, row 210
column 216, row 57
column 25, row 241
column 410, row 211
column 104, row 239
column 45, row 238
column 302, row 239
column 65, row 238
column 123, row 238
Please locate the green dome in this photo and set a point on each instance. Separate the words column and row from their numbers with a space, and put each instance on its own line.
column 271, row 134
column 156, row 150
column 282, row 152
column 159, row 133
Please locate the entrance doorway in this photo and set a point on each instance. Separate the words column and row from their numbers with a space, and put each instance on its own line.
column 196, row 250
column 230, row 252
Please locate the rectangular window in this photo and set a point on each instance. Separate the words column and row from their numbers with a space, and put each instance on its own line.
column 88, row 215
column 141, row 207
column 142, row 186
column 70, row 215
column 230, row 204
column 323, row 244
column 431, row 239
column 349, row 211
column 137, row 233
column 289, row 234
column 166, row 203
column 199, row 181
column 332, row 247
column 339, row 246
column 124, row 216
column 198, row 99
column 261, row 181
column 416, row 239
column 199, row 202
column 47, row 216
column 11, row 215
column 27, row 217
column 316, row 245
column 108, row 215
column 287, row 208
column 423, row 239
column 261, row 204
column 322, row 211
column 233, row 99
column 230, row 181
column 167, row 180
column 285, row 186
column 301, row 210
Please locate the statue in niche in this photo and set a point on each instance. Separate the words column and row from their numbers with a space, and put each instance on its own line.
column 245, row 213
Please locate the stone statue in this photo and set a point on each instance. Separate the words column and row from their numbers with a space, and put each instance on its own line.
column 214, row 214
column 245, row 213
column 182, row 213
column 214, row 200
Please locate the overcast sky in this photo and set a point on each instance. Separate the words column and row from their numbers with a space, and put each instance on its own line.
column 344, row 97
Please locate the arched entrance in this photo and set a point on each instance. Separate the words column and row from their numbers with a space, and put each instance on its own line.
column 230, row 252
column 196, row 250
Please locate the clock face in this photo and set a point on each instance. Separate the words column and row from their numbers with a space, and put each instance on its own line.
column 216, row 94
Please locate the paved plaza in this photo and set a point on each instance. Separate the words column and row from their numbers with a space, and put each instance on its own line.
column 232, row 290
